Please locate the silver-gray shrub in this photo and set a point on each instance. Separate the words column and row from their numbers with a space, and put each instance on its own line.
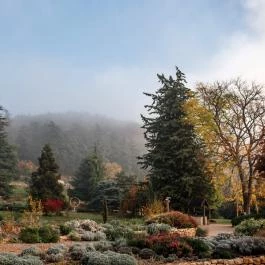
column 108, row 258
column 157, row 228
column 78, row 251
column 93, row 236
column 12, row 259
column 32, row 251
column 56, row 253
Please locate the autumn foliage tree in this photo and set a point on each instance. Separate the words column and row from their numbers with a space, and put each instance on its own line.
column 238, row 115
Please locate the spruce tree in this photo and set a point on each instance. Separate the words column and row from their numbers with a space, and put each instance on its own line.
column 8, row 157
column 174, row 154
column 44, row 182
column 88, row 175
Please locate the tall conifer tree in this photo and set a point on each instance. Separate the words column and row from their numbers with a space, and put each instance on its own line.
column 88, row 175
column 8, row 157
column 44, row 182
column 174, row 153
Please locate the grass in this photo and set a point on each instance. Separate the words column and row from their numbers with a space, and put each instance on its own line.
column 222, row 221
column 57, row 220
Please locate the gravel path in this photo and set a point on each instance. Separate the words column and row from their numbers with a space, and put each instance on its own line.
column 215, row 229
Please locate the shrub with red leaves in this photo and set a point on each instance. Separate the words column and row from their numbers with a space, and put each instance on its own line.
column 165, row 244
column 52, row 205
column 174, row 219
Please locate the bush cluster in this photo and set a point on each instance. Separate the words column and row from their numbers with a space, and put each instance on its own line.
column 237, row 220
column 115, row 230
column 45, row 234
column 86, row 230
column 250, row 227
column 229, row 246
column 175, row 219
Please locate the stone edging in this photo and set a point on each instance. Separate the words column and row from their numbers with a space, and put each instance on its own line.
column 237, row 261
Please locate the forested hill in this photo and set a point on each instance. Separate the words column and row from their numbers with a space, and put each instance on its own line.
column 73, row 135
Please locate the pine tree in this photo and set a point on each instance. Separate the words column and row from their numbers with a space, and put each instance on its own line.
column 8, row 158
column 174, row 155
column 90, row 172
column 44, row 182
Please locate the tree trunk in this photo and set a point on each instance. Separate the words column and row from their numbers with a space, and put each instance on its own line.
column 246, row 198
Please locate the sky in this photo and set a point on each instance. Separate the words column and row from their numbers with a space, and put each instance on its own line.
column 100, row 56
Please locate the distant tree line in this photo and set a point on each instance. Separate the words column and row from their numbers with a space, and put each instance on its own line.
column 73, row 136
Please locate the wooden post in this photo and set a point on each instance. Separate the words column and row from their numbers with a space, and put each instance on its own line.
column 204, row 214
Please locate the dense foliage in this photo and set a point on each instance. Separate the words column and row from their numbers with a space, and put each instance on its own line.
column 44, row 182
column 8, row 159
column 89, row 174
column 174, row 155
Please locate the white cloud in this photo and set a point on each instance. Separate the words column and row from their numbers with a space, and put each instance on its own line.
column 244, row 53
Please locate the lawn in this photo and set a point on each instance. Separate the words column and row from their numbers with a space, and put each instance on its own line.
column 76, row 215
column 222, row 221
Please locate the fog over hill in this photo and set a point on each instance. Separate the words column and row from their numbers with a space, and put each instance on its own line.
column 73, row 135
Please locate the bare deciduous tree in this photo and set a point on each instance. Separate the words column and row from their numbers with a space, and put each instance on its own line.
column 238, row 112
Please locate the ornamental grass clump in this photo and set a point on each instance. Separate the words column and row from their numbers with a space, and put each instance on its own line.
column 175, row 219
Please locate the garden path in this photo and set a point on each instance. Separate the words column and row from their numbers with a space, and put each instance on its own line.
column 215, row 229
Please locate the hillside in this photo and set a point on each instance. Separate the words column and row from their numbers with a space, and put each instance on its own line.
column 73, row 135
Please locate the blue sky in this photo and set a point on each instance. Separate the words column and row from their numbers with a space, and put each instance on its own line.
column 99, row 56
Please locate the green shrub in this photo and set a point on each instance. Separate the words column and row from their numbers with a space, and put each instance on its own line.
column 200, row 248
column 65, row 230
column 249, row 227
column 237, row 220
column 44, row 234
column 108, row 258
column 174, row 219
column 29, row 235
column 12, row 259
column 137, row 242
column 48, row 234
